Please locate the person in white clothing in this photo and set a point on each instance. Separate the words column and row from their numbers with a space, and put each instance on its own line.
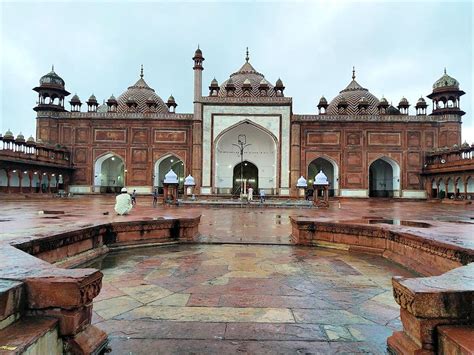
column 250, row 193
column 123, row 202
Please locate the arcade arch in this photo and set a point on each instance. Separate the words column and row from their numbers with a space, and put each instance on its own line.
column 109, row 173
column 384, row 178
column 163, row 165
column 329, row 168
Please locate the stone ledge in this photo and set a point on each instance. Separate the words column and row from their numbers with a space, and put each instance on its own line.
column 456, row 340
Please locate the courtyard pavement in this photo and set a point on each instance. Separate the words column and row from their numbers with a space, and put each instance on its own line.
column 244, row 297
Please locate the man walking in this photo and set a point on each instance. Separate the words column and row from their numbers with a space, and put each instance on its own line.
column 262, row 196
column 250, row 193
column 134, row 197
column 155, row 197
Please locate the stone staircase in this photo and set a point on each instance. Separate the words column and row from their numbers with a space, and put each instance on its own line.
column 20, row 333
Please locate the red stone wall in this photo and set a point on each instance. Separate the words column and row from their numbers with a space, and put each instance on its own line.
column 139, row 142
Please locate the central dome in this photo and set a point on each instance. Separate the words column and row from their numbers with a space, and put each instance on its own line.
column 140, row 92
column 354, row 94
column 248, row 75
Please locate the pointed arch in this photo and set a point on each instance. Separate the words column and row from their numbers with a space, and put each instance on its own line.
column 159, row 170
column 384, row 177
column 110, row 178
column 332, row 174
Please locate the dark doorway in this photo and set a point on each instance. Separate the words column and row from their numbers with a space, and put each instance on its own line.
column 249, row 173
column 380, row 179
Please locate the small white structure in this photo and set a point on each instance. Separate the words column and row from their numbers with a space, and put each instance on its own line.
column 171, row 178
column 301, row 185
column 189, row 184
column 321, row 179
column 170, row 187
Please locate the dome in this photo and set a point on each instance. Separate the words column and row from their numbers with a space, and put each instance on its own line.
column 198, row 52
column 171, row 99
column 279, row 83
column 421, row 102
column 20, row 138
column 392, row 111
column 248, row 76
column 214, row 83
column 52, row 79
column 352, row 94
column 445, row 81
column 403, row 102
column 103, row 108
column 301, row 182
column 323, row 101
column 321, row 179
column 140, row 92
column 92, row 99
column 31, row 141
column 189, row 181
column 75, row 100
column 465, row 145
column 171, row 177
column 8, row 135
column 112, row 100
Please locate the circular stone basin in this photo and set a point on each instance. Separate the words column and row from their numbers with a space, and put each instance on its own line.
column 255, row 297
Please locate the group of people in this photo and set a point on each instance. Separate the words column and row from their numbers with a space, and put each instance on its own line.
column 250, row 194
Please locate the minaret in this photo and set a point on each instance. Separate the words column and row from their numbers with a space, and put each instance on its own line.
column 196, row 170
column 198, row 59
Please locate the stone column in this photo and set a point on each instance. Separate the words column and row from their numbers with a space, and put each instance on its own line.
column 196, row 169
column 295, row 169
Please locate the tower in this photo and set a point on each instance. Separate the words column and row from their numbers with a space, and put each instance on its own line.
column 446, row 96
column 51, row 93
column 197, row 125
column 198, row 68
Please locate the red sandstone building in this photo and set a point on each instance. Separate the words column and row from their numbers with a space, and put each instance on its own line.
column 364, row 145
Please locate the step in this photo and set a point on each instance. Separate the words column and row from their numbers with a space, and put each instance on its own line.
column 456, row 339
column 37, row 335
column 12, row 300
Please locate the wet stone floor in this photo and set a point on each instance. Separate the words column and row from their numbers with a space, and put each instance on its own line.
column 230, row 299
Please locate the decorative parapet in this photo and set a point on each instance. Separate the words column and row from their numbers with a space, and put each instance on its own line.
column 374, row 118
column 276, row 100
column 116, row 115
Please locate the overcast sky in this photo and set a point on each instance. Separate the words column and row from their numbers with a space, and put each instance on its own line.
column 398, row 49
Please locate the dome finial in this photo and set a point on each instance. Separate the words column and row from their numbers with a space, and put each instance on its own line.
column 52, row 67
column 353, row 73
column 141, row 72
column 247, row 55
column 444, row 70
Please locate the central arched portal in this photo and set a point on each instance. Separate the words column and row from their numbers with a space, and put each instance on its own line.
column 384, row 178
column 109, row 173
column 259, row 159
column 249, row 174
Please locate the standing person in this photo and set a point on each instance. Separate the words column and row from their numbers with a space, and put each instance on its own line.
column 155, row 197
column 262, row 196
column 123, row 202
column 250, row 193
column 134, row 197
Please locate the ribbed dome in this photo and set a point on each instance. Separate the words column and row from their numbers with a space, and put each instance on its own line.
column 75, row 100
column 248, row 75
column 171, row 177
column 140, row 92
column 189, row 181
column 8, row 135
column 20, row 138
column 103, row 108
column 445, row 81
column 352, row 94
column 421, row 102
column 31, row 141
column 391, row 110
column 52, row 79
column 321, row 179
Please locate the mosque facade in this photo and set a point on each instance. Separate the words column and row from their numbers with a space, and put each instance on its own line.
column 365, row 146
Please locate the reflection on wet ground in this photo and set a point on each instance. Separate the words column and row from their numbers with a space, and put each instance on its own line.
column 224, row 299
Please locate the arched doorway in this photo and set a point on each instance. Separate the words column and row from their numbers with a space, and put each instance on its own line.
column 249, row 176
column 163, row 165
column 109, row 173
column 330, row 169
column 384, row 178
column 260, row 151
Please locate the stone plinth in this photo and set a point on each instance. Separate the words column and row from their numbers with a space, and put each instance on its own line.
column 431, row 302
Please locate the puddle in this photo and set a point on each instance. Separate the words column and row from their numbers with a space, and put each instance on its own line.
column 398, row 222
